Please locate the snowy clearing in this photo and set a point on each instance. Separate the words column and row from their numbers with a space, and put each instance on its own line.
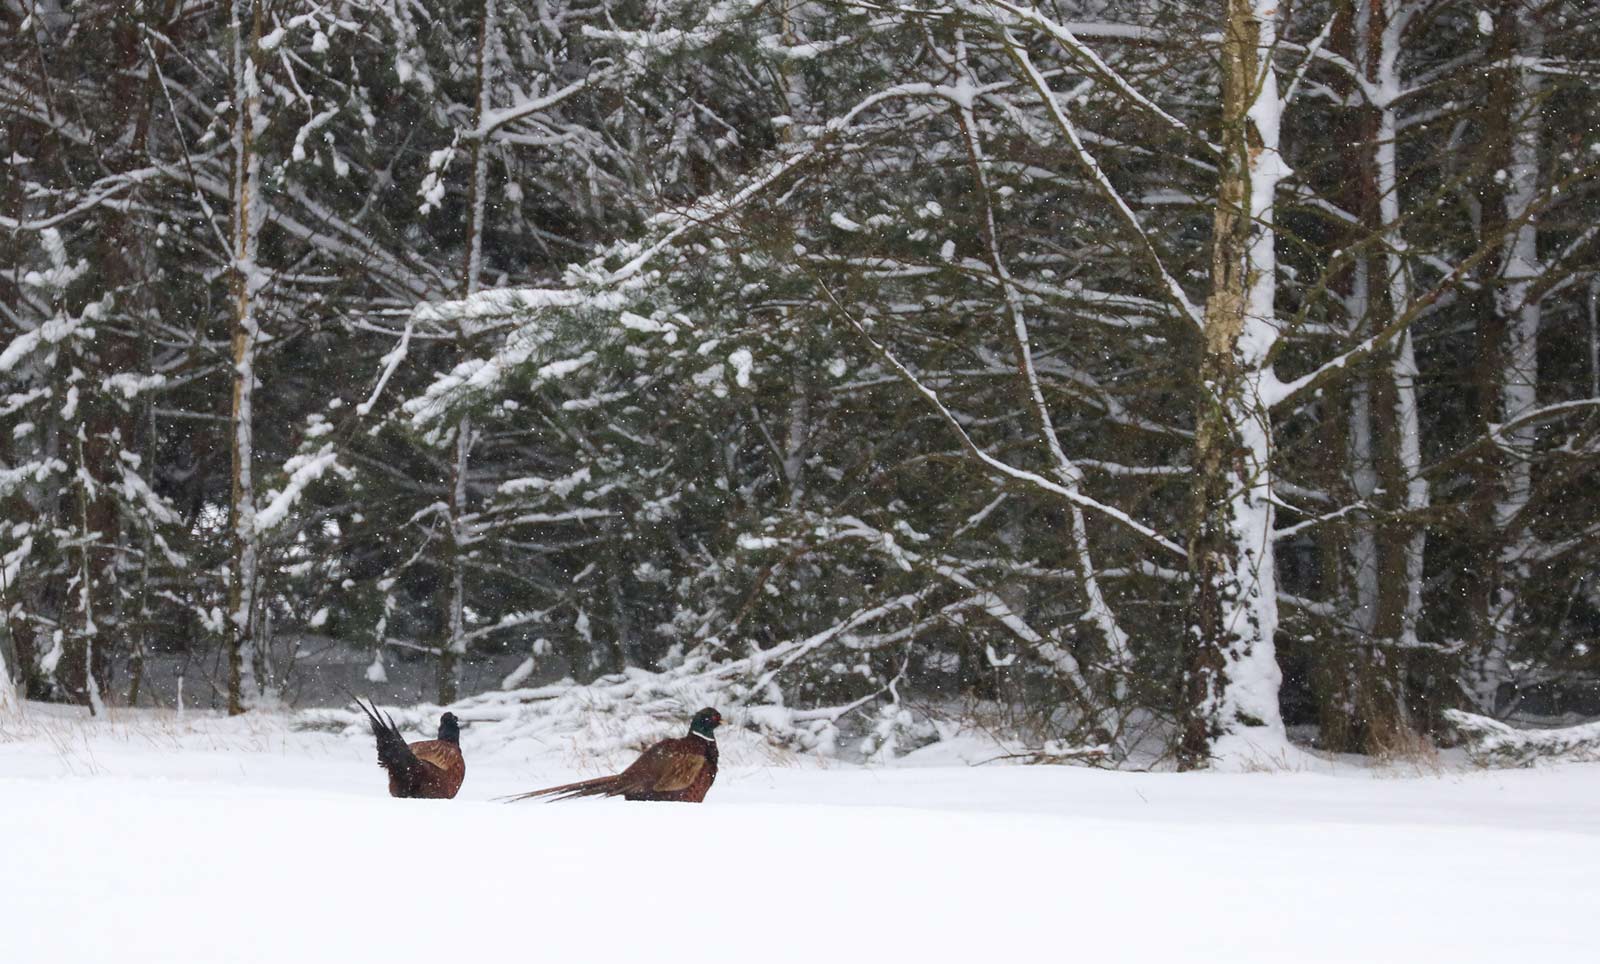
column 158, row 838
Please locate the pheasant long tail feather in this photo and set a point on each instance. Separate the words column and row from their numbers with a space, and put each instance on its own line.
column 393, row 753
column 598, row 787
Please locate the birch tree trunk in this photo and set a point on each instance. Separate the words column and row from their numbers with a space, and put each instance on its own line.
column 455, row 643
column 1231, row 671
column 8, row 688
column 1511, row 346
column 792, row 86
column 246, row 282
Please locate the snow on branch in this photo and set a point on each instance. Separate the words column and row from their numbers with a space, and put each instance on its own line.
column 1497, row 431
column 594, row 286
column 1311, row 52
column 1175, row 292
column 11, row 562
column 494, row 120
column 479, row 311
column 129, row 384
column 1079, row 51
column 11, row 479
column 1492, row 743
column 614, row 717
column 1066, row 471
column 713, row 209
column 986, row 601
column 1299, row 527
column 1278, row 392
column 303, row 470
column 999, row 467
column 53, row 332
column 391, row 361
column 476, row 376
column 100, row 193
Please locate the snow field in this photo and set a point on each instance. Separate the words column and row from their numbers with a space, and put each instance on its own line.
column 215, row 840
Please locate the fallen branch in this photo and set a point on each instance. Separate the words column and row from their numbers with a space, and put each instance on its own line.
column 1492, row 743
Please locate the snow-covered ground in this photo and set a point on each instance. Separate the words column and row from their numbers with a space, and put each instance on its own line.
column 154, row 838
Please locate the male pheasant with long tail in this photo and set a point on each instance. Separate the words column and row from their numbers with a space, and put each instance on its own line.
column 679, row 769
column 429, row 769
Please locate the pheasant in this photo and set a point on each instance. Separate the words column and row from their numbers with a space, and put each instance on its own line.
column 678, row 769
column 431, row 769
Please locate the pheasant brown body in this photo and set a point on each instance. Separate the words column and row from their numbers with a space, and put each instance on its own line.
column 430, row 769
column 680, row 769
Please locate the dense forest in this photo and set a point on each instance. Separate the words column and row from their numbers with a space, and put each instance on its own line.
column 1123, row 371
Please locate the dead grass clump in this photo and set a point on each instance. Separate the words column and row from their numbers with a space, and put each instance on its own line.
column 1405, row 747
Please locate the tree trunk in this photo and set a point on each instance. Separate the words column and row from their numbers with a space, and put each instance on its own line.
column 106, row 427
column 455, row 643
column 85, row 662
column 1231, row 671
column 246, row 282
column 1509, row 366
column 454, row 648
column 8, row 689
column 1368, row 708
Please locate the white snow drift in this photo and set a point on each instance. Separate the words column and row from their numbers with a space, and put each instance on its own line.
column 154, row 838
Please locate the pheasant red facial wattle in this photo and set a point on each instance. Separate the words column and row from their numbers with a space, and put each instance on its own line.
column 680, row 769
